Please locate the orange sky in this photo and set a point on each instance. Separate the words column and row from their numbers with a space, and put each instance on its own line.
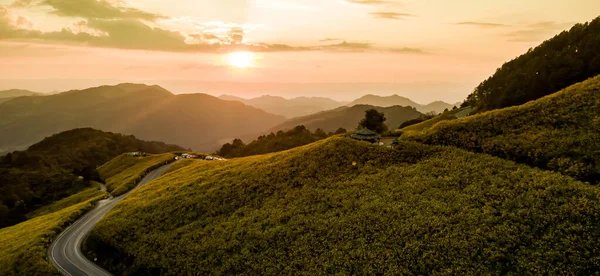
column 50, row 45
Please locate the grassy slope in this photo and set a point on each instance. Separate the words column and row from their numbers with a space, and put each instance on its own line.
column 558, row 132
column 124, row 172
column 429, row 123
column 77, row 198
column 421, row 210
column 24, row 246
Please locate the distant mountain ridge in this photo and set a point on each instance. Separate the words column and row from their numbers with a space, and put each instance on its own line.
column 197, row 121
column 288, row 108
column 349, row 117
column 387, row 101
column 6, row 95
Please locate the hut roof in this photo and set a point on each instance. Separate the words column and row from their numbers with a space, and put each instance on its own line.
column 364, row 134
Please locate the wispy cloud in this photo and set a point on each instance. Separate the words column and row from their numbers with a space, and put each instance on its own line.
column 390, row 15
column 330, row 39
column 109, row 25
column 537, row 32
column 481, row 24
column 373, row 2
column 91, row 9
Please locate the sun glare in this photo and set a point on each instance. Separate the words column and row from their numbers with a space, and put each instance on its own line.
column 241, row 59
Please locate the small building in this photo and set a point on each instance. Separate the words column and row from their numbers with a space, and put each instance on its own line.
column 136, row 153
column 188, row 156
column 395, row 143
column 366, row 135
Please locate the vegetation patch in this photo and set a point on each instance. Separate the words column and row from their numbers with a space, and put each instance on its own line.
column 25, row 245
column 60, row 166
column 124, row 172
column 340, row 206
column 559, row 132
column 568, row 58
column 299, row 136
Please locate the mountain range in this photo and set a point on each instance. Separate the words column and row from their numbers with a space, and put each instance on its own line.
column 6, row 95
column 198, row 121
column 288, row 108
column 349, row 117
column 387, row 101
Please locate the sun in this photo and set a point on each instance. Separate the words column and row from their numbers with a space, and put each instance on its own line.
column 241, row 59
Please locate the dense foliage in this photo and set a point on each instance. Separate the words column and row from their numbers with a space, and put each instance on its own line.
column 24, row 246
column 559, row 132
column 299, row 136
column 374, row 120
column 340, row 206
column 49, row 170
column 349, row 117
column 124, row 172
column 566, row 59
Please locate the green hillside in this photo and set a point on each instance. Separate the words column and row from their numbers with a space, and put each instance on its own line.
column 559, row 132
column 339, row 206
column 349, row 117
column 124, row 172
column 298, row 136
column 568, row 58
column 48, row 171
column 24, row 246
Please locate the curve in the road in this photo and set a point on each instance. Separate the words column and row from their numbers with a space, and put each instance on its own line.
column 65, row 252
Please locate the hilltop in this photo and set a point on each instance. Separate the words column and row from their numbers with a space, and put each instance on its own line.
column 388, row 101
column 339, row 206
column 568, row 58
column 49, row 170
column 349, row 117
column 197, row 121
column 558, row 132
column 289, row 108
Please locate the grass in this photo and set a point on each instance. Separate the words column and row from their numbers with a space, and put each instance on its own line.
column 558, row 132
column 24, row 246
column 416, row 128
column 339, row 206
column 124, row 172
column 77, row 198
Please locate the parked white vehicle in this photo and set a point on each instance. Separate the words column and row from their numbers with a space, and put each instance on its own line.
column 209, row 158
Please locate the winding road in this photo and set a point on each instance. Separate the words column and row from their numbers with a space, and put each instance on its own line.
column 65, row 252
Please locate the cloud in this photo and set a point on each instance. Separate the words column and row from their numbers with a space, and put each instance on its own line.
column 373, row 2
column 329, row 39
column 481, row 24
column 100, row 28
column 390, row 15
column 537, row 32
column 91, row 9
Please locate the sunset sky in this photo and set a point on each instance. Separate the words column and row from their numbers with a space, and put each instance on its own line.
column 426, row 49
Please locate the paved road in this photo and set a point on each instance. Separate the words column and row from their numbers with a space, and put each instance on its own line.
column 65, row 252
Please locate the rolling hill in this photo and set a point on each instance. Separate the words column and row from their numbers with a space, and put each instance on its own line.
column 288, row 108
column 348, row 118
column 558, row 132
column 339, row 206
column 49, row 170
column 195, row 121
column 387, row 101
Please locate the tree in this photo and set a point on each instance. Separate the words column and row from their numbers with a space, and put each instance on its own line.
column 341, row 130
column 320, row 133
column 374, row 120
